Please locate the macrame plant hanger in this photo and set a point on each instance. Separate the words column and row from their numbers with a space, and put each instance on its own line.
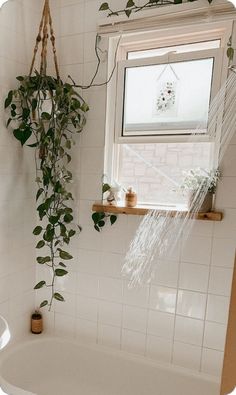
column 45, row 28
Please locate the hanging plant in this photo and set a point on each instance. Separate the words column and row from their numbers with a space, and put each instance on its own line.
column 45, row 113
column 100, row 218
column 131, row 6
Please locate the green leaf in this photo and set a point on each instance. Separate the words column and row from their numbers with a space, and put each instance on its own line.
column 63, row 229
column 105, row 188
column 84, row 107
column 48, row 235
column 58, row 297
column 60, row 272
column 68, row 144
column 71, row 233
column 101, row 224
column 41, row 260
column 20, row 78
column 22, row 134
column 9, row 121
column 25, row 113
column 62, row 264
column 54, row 219
column 68, row 218
column 128, row 13
column 130, row 3
column 97, row 228
column 113, row 219
column 37, row 230
column 34, row 145
column 104, row 7
column 44, row 303
column 39, row 193
column 45, row 116
column 96, row 217
column 65, row 255
column 40, row 285
column 230, row 53
column 34, row 104
column 179, row 1
column 40, row 244
column 9, row 99
column 68, row 158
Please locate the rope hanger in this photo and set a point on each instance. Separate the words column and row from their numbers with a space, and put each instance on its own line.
column 45, row 28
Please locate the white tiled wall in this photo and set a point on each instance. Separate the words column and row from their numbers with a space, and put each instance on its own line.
column 181, row 317
column 17, row 219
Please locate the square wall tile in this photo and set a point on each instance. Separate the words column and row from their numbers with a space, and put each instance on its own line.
column 64, row 325
column 226, row 193
column 223, row 252
column 160, row 324
column 191, row 304
column 227, row 227
column 189, row 330
column 111, row 264
column 197, row 249
column 92, row 160
column 110, row 289
column 87, row 285
column 166, row 273
column 110, row 313
column 194, row 277
column 218, row 309
column 89, row 261
column 74, row 14
column 86, row 331
column 159, row 349
column 135, row 318
column 109, row 336
column 87, row 308
column 133, row 342
column 187, row 355
column 212, row 362
column 163, row 298
column 214, row 336
column 137, row 296
column 220, row 281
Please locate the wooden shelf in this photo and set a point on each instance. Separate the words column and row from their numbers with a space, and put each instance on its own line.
column 143, row 210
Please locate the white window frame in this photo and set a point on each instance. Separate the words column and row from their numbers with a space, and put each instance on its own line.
column 164, row 37
column 167, row 135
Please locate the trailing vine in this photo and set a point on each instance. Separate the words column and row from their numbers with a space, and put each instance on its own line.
column 132, row 7
column 51, row 112
column 100, row 218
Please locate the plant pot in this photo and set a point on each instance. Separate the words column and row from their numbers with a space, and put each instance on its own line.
column 206, row 205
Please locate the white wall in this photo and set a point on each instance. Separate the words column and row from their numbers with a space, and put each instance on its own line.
column 17, row 218
column 181, row 317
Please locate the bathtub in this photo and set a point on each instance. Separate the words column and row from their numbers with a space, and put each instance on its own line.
column 54, row 366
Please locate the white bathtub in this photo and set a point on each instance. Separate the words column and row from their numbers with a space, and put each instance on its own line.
column 53, row 366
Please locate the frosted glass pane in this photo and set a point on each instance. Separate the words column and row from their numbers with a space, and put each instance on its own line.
column 167, row 98
column 149, row 53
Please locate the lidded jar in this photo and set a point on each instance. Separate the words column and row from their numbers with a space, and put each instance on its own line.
column 130, row 198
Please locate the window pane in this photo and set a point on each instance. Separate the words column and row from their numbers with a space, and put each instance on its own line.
column 176, row 48
column 167, row 98
column 156, row 170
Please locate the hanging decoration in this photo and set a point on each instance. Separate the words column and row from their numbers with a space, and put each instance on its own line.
column 46, row 113
column 166, row 98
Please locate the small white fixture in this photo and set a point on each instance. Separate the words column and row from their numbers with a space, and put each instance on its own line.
column 234, row 392
column 4, row 333
column 2, row 2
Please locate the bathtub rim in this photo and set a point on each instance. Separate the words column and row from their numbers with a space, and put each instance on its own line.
column 15, row 346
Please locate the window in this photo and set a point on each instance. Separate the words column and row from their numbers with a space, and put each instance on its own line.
column 163, row 91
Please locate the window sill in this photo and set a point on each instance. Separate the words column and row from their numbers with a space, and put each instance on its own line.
column 143, row 210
